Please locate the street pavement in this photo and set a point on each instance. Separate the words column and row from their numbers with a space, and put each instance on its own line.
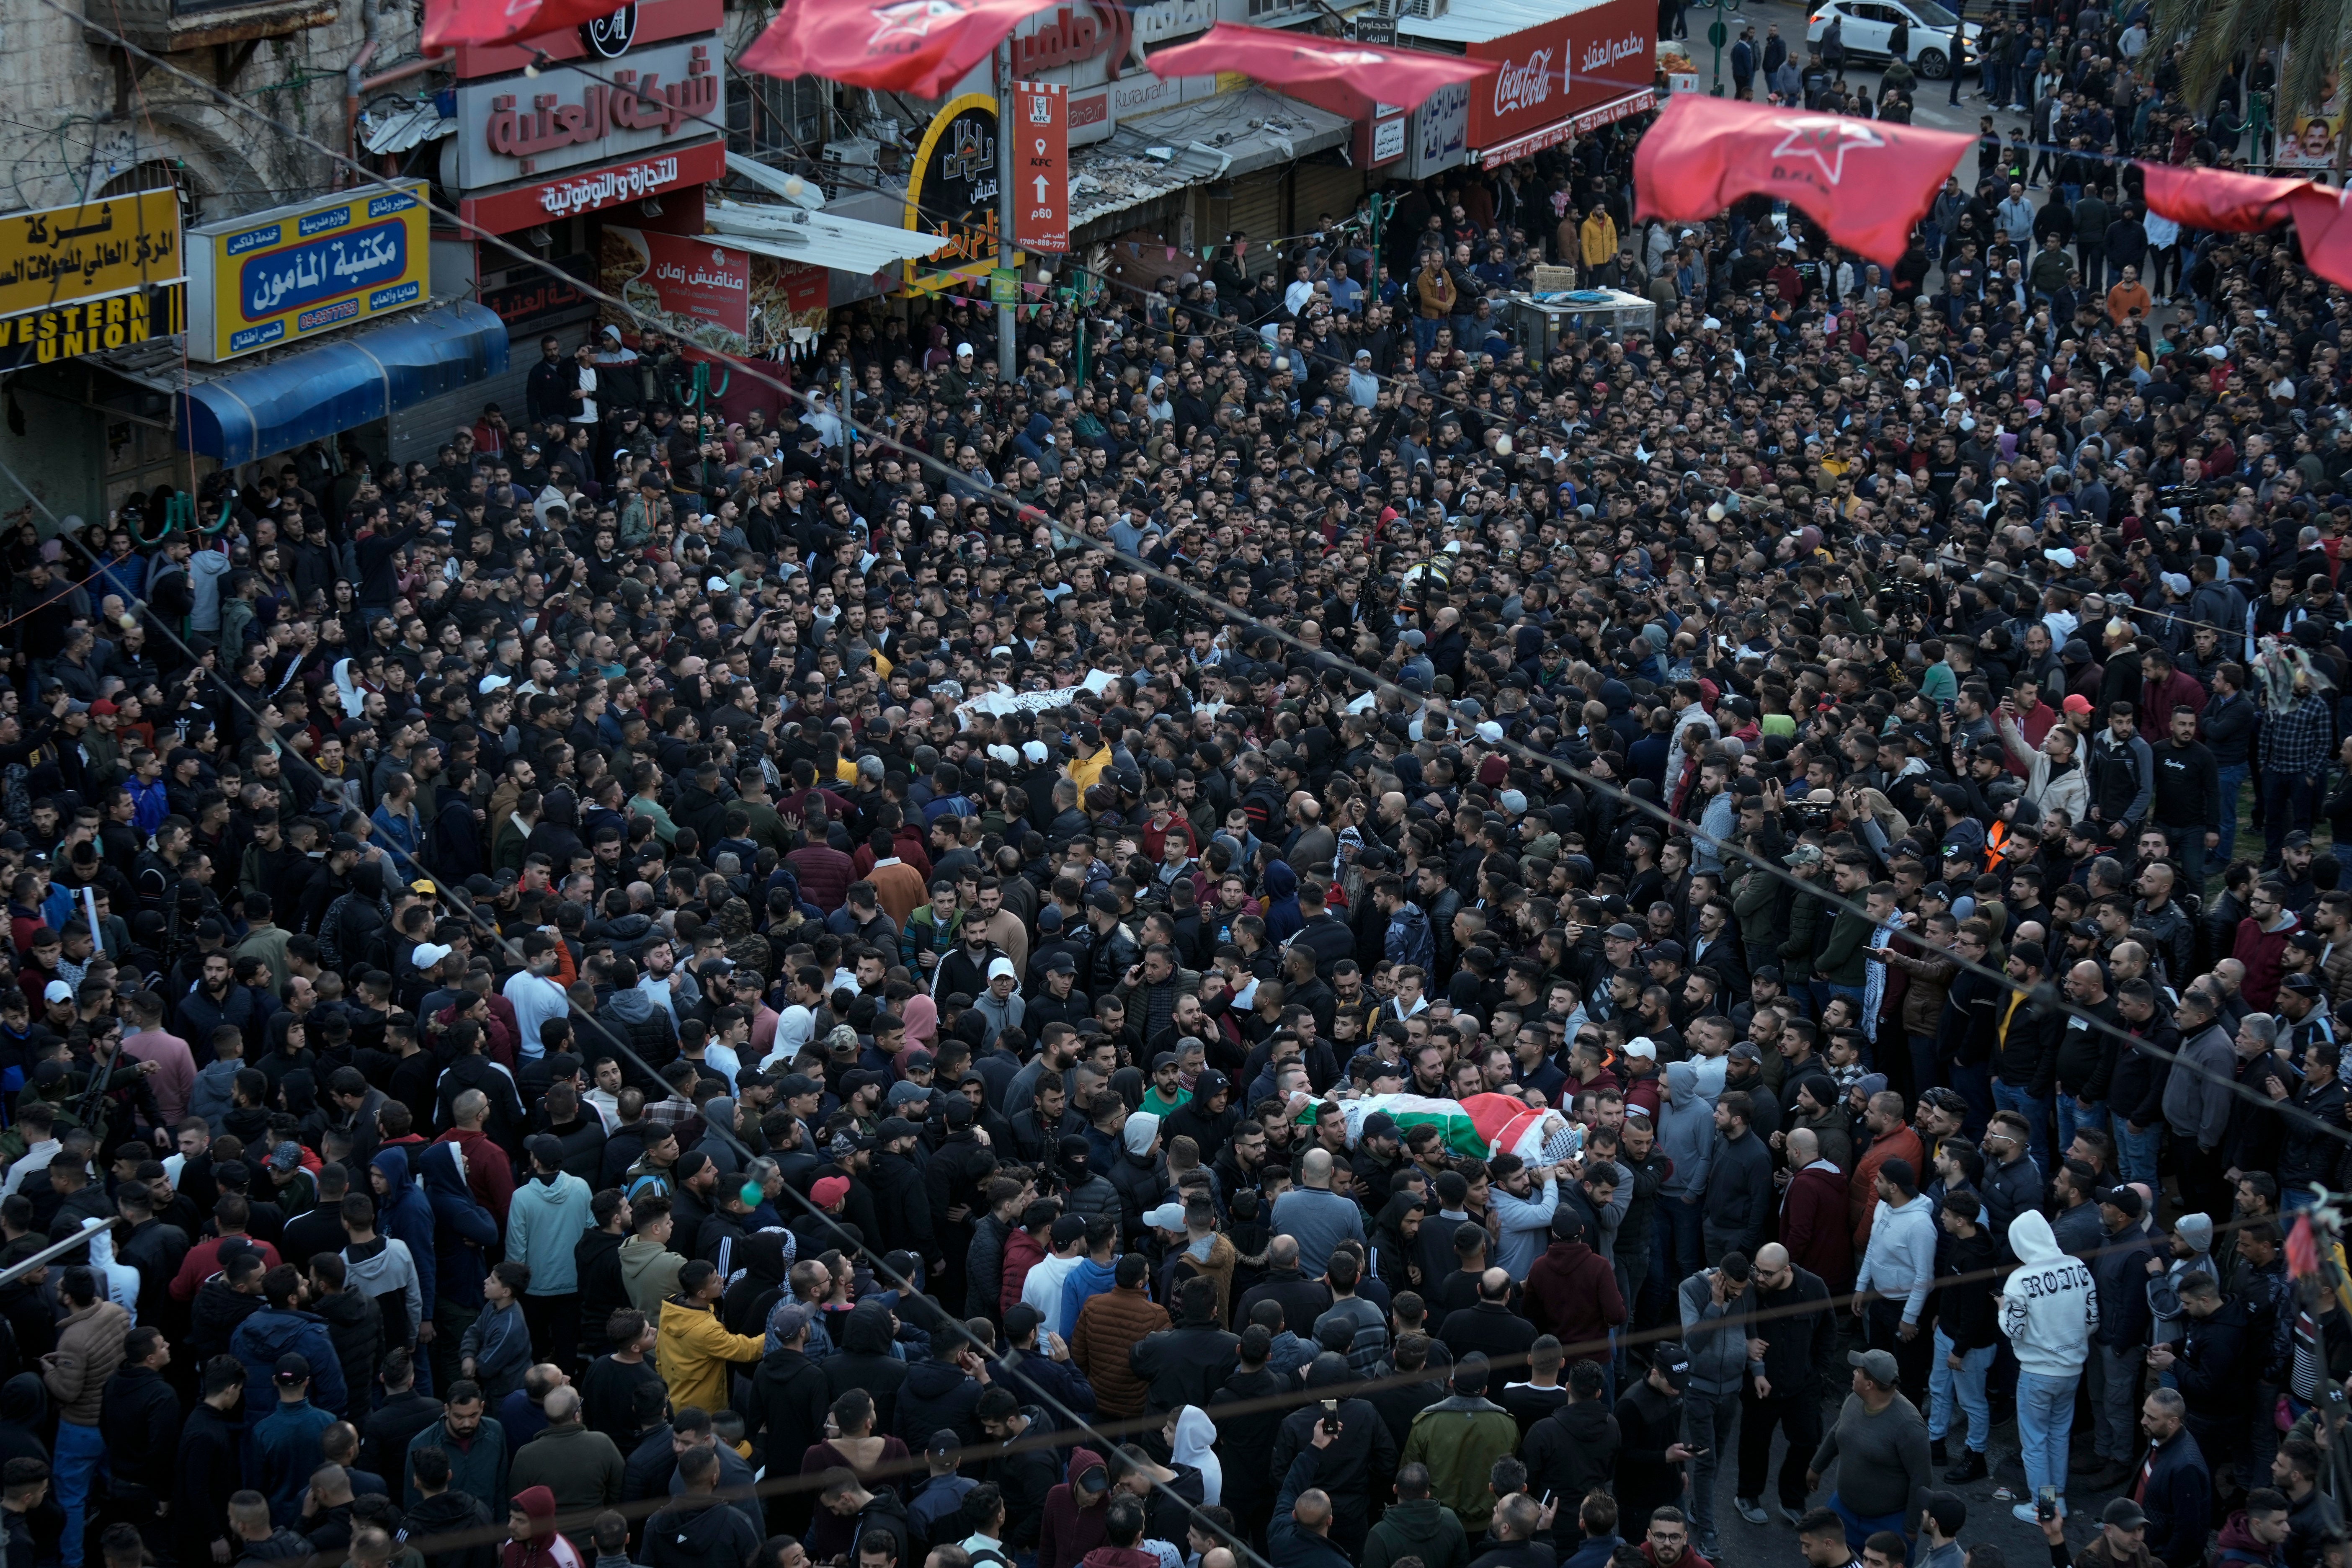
column 1774, row 1544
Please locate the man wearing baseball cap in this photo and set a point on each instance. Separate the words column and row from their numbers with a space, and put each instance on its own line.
column 1879, row 1446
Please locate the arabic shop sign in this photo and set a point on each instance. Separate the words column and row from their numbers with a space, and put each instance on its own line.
column 1073, row 35
column 528, row 297
column 64, row 331
column 521, row 206
column 292, row 273
column 692, row 284
column 1439, row 136
column 1561, row 68
column 109, row 246
column 517, row 127
column 953, row 195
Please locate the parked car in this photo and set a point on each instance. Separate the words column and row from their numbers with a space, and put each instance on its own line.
column 1869, row 28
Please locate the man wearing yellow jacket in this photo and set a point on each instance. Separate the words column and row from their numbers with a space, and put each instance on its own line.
column 694, row 1347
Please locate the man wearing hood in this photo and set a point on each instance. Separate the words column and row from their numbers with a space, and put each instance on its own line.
column 545, row 1219
column 901, row 1196
column 1571, row 1293
column 401, row 1213
column 2049, row 1310
column 722, row 1137
column 1075, row 1515
column 697, row 1529
column 1138, row 1172
column 638, row 1019
column 465, row 1239
column 1686, row 1137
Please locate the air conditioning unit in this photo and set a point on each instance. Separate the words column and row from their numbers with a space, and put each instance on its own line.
column 856, row 153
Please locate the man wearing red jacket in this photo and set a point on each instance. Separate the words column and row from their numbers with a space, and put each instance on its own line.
column 203, row 1261
column 2162, row 688
column 1812, row 1213
column 2261, row 944
column 1572, row 1290
column 489, row 1173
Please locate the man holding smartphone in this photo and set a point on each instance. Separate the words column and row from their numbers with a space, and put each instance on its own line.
column 1715, row 1312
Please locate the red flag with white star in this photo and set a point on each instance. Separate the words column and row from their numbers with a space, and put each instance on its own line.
column 920, row 47
column 1866, row 181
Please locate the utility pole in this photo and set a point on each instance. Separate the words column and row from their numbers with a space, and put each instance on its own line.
column 1005, row 198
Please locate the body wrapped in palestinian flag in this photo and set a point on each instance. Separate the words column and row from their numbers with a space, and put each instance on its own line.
column 1480, row 1127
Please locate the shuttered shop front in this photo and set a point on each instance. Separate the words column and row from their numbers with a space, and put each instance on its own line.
column 1258, row 209
column 1320, row 188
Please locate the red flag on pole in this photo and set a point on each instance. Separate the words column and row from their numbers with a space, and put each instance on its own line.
column 1866, row 181
column 448, row 23
column 2323, row 225
column 2215, row 198
column 2245, row 203
column 1401, row 77
column 920, row 47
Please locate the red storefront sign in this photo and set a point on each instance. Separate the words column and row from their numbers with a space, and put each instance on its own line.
column 1041, row 166
column 597, row 189
column 1549, row 74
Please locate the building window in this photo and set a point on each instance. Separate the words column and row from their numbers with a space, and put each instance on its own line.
column 156, row 175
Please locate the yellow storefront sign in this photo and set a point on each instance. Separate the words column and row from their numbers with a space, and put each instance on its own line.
column 108, row 246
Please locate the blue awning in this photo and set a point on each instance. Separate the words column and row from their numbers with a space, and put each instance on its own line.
column 340, row 383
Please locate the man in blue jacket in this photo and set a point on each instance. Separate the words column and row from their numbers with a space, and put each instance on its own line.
column 290, row 1442
column 281, row 1329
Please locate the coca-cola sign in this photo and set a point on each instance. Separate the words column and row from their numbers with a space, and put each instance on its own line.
column 1544, row 73
column 1524, row 84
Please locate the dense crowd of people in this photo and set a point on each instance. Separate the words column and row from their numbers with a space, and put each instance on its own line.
column 1305, row 934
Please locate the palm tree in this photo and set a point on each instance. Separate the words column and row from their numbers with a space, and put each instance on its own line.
column 2217, row 33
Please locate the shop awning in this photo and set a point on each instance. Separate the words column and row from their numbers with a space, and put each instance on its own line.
column 244, row 411
column 1212, row 139
column 406, row 126
column 817, row 238
column 1636, row 102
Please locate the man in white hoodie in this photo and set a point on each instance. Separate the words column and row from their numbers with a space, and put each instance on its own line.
column 2049, row 1308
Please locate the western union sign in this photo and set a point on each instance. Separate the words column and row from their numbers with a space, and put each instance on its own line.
column 86, row 326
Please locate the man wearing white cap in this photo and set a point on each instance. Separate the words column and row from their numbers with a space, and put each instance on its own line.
column 1000, row 1003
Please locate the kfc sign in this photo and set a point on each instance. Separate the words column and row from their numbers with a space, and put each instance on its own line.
column 1548, row 72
